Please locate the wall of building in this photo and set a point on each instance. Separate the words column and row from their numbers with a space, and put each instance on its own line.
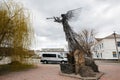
column 104, row 49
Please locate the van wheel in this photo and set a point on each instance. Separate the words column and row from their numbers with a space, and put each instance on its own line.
column 62, row 62
column 45, row 62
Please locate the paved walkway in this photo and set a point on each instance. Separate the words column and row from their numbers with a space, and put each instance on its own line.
column 51, row 72
column 111, row 71
column 43, row 72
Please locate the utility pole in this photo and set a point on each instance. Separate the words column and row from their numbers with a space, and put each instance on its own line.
column 117, row 51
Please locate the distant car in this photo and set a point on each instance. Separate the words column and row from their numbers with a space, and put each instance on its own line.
column 53, row 57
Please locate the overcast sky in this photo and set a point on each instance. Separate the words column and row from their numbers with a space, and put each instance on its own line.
column 102, row 15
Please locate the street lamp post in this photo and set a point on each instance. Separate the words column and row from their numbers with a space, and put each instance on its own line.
column 116, row 45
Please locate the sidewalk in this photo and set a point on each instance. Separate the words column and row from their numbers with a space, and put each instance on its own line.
column 111, row 71
column 43, row 72
column 51, row 72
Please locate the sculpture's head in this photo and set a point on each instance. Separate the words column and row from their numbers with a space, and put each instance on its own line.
column 63, row 16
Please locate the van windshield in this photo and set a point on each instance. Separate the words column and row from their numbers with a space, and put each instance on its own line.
column 59, row 56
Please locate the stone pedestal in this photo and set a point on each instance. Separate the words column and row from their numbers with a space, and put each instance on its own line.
column 67, row 68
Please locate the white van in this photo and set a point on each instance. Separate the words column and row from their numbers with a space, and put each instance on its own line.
column 52, row 57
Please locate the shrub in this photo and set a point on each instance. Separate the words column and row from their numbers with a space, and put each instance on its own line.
column 14, row 66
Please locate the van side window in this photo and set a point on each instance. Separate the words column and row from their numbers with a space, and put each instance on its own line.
column 49, row 55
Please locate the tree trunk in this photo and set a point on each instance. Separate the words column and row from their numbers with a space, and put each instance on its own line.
column 79, row 60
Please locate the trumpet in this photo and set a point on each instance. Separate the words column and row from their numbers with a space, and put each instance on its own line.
column 50, row 18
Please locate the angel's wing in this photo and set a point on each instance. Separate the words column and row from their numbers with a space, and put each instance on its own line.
column 73, row 14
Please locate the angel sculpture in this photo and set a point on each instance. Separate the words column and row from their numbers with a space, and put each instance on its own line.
column 76, row 50
column 71, row 36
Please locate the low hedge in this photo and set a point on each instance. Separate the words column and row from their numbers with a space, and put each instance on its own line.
column 15, row 66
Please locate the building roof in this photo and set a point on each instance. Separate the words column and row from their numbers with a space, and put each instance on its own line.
column 52, row 50
column 112, row 36
column 98, row 39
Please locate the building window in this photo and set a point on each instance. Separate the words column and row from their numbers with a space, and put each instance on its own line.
column 102, row 45
column 118, row 44
column 101, row 55
column 119, row 54
column 97, row 55
column 97, row 47
column 114, row 54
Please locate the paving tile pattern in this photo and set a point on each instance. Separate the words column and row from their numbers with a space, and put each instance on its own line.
column 43, row 72
column 51, row 72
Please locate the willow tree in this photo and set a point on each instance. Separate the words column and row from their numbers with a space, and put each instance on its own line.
column 16, row 32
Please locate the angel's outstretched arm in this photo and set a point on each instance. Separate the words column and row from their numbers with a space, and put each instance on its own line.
column 57, row 19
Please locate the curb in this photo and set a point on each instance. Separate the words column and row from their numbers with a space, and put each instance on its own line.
column 97, row 77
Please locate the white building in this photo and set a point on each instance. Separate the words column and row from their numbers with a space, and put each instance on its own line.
column 107, row 48
column 52, row 50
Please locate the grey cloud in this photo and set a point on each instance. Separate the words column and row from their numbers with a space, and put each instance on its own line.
column 103, row 15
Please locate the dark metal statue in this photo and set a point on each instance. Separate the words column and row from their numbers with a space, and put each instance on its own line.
column 77, row 52
column 71, row 36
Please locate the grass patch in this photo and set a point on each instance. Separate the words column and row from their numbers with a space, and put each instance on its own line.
column 14, row 66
